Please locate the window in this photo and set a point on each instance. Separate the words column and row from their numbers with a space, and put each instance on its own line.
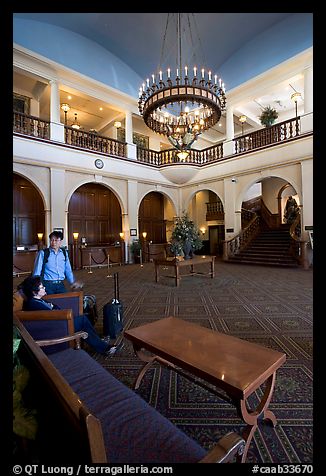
column 139, row 139
column 21, row 104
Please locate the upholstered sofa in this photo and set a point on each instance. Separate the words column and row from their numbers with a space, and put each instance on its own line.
column 112, row 422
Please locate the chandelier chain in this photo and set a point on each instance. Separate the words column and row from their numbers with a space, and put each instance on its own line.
column 163, row 42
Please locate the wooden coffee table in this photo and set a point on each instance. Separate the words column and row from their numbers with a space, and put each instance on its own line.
column 234, row 365
column 176, row 264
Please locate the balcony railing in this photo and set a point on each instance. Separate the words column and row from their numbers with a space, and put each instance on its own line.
column 40, row 128
column 214, row 211
column 269, row 135
column 31, row 126
column 169, row 156
column 95, row 142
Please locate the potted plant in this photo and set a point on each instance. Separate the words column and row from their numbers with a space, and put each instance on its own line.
column 187, row 235
column 268, row 116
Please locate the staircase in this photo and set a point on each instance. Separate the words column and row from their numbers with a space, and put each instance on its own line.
column 270, row 247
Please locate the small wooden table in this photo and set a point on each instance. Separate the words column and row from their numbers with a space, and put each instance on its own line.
column 234, row 365
column 176, row 264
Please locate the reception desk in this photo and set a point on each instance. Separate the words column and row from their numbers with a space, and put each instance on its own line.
column 96, row 256
column 23, row 262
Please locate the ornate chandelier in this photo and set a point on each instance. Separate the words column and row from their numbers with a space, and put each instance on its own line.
column 184, row 106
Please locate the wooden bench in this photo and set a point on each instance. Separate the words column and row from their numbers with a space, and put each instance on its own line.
column 108, row 421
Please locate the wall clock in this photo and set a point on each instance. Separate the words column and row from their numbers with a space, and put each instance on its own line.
column 99, row 163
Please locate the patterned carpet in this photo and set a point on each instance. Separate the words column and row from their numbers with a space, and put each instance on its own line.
column 265, row 305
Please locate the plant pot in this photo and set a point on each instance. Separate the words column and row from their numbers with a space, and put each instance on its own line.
column 187, row 249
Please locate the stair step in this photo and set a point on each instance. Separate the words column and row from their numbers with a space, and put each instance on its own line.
column 270, row 248
column 285, row 265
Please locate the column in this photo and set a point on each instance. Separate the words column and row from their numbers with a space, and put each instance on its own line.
column 306, row 120
column 131, row 148
column 58, row 209
column 56, row 128
column 228, row 145
column 132, row 209
column 308, row 90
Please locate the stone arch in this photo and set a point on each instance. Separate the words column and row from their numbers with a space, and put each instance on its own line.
column 29, row 214
column 258, row 178
column 39, row 186
column 190, row 195
column 104, row 220
column 165, row 193
column 85, row 181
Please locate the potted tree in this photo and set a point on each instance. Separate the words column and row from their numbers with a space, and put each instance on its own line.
column 268, row 116
column 186, row 236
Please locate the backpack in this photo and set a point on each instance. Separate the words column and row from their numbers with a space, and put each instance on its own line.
column 90, row 308
column 46, row 258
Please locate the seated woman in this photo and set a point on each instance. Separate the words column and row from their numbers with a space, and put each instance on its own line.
column 34, row 292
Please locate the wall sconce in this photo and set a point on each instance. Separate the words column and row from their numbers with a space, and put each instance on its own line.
column 75, row 124
column 144, row 234
column 203, row 230
column 40, row 242
column 75, row 235
column 121, row 235
column 65, row 107
column 117, row 124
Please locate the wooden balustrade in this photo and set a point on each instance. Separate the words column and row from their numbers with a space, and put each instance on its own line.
column 240, row 241
column 36, row 127
column 298, row 246
column 268, row 135
column 31, row 125
column 95, row 142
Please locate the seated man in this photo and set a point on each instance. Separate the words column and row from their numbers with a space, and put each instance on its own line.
column 34, row 292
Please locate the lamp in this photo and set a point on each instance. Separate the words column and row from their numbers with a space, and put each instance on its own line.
column 75, row 252
column 75, row 124
column 295, row 96
column 121, row 235
column 182, row 155
column 65, row 107
column 242, row 119
column 203, row 230
column 117, row 124
column 183, row 107
column 40, row 242
column 144, row 234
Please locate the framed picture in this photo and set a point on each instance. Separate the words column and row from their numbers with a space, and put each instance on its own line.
column 133, row 232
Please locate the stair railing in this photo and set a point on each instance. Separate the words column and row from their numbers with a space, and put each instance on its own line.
column 298, row 246
column 241, row 240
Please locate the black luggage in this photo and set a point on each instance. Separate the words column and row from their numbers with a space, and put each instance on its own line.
column 90, row 308
column 113, row 313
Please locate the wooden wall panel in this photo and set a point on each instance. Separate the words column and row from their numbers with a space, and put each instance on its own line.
column 28, row 212
column 151, row 217
column 95, row 213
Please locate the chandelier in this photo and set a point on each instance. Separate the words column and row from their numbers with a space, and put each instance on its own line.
column 181, row 104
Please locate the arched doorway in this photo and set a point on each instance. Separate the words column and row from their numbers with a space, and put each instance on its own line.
column 206, row 210
column 151, row 217
column 28, row 213
column 95, row 213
